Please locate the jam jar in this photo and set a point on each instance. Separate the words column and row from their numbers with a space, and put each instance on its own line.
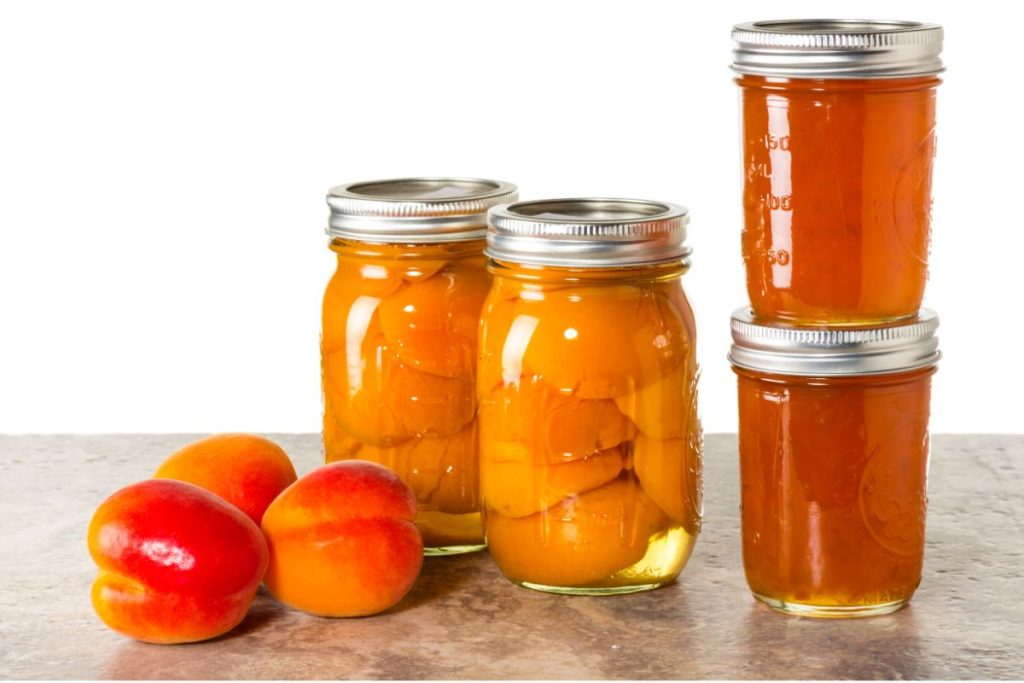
column 838, row 141
column 589, row 438
column 833, row 448
column 399, row 341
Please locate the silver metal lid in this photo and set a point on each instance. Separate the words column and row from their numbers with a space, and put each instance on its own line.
column 837, row 48
column 819, row 352
column 587, row 232
column 415, row 210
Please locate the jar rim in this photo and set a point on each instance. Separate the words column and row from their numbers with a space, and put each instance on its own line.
column 587, row 232
column 837, row 48
column 420, row 210
column 832, row 352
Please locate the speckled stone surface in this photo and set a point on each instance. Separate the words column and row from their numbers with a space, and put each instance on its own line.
column 463, row 620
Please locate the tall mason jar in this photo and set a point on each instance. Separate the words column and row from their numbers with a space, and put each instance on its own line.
column 399, row 341
column 838, row 140
column 589, row 438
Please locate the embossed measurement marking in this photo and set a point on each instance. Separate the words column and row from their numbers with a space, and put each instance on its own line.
column 775, row 257
column 778, row 202
column 776, row 142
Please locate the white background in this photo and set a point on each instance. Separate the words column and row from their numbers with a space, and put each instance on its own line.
column 163, row 168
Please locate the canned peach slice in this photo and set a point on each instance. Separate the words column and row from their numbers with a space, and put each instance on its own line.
column 440, row 529
column 347, row 314
column 431, row 324
column 458, row 486
column 441, row 470
column 659, row 408
column 420, row 269
column 573, row 347
column 553, row 426
column 669, row 472
column 501, row 357
column 380, row 401
column 514, row 486
column 338, row 444
column 369, row 278
column 580, row 541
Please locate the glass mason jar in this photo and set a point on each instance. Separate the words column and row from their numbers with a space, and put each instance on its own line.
column 833, row 463
column 399, row 341
column 589, row 438
column 838, row 142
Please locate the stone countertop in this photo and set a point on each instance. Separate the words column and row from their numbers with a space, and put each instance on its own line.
column 463, row 620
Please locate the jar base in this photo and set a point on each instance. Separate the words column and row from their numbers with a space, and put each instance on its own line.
column 583, row 590
column 667, row 554
column 444, row 551
column 832, row 611
column 449, row 534
column 851, row 322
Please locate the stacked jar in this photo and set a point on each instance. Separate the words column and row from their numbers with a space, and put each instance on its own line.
column 835, row 355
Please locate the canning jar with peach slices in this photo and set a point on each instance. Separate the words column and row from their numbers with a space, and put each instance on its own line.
column 399, row 341
column 590, row 443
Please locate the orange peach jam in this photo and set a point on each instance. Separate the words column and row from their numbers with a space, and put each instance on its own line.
column 589, row 438
column 399, row 347
column 837, row 154
column 833, row 474
column 833, row 465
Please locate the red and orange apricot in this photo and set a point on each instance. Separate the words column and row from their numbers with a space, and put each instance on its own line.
column 177, row 564
column 342, row 540
column 246, row 470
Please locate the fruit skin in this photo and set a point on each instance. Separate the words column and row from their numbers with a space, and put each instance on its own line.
column 177, row 564
column 246, row 470
column 342, row 540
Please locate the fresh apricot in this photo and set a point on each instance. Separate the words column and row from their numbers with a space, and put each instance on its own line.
column 513, row 485
column 246, row 470
column 342, row 540
column 177, row 564
column 554, row 426
column 669, row 470
column 581, row 541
